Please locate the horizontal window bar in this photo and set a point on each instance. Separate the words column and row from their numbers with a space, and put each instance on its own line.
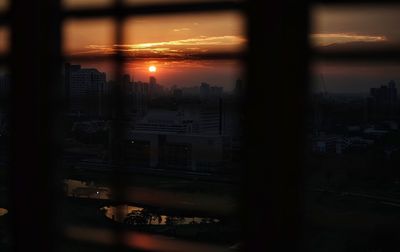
column 351, row 2
column 4, row 19
column 137, row 240
column 389, row 55
column 4, row 59
column 126, row 11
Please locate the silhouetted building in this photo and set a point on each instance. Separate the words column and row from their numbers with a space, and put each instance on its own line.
column 155, row 90
column 84, row 90
column 208, row 91
column 152, row 86
column 211, row 118
column 202, row 153
column 204, row 90
column 177, row 93
column 216, row 91
column 238, row 87
column 140, row 97
column 382, row 102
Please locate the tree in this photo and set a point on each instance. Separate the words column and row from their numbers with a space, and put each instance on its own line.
column 138, row 217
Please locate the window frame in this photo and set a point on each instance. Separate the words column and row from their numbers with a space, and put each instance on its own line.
column 36, row 144
column 36, row 106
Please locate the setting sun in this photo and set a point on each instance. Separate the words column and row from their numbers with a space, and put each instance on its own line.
column 152, row 69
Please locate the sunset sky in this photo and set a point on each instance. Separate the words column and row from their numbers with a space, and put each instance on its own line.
column 4, row 40
column 362, row 25
column 176, row 44
column 356, row 27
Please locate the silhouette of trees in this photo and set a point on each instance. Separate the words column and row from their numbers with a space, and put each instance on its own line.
column 172, row 220
column 138, row 217
column 142, row 217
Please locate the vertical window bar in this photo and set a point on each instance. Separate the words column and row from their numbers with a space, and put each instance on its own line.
column 118, row 127
column 34, row 69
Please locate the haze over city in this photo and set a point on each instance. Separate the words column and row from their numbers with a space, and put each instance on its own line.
column 354, row 27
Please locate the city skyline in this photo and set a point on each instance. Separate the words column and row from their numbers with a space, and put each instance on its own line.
column 188, row 74
column 350, row 77
column 87, row 91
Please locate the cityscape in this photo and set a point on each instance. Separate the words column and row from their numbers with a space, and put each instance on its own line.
column 177, row 142
column 178, row 128
column 153, row 148
column 352, row 175
column 187, row 127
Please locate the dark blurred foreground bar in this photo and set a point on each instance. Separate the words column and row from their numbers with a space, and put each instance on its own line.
column 137, row 240
column 152, row 9
column 384, row 55
column 274, row 128
column 34, row 70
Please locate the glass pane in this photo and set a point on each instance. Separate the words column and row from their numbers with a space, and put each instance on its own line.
column 80, row 4
column 162, row 139
column 360, row 27
column 193, row 187
column 88, row 37
column 87, row 173
column 4, row 40
column 352, row 173
column 4, row 5
column 183, row 132
column 5, row 233
column 87, row 88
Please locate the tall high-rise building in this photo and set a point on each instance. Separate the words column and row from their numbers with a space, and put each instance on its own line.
column 127, row 84
column 85, row 89
column 238, row 87
column 155, row 89
column 140, row 98
column 382, row 102
column 152, row 86
column 208, row 91
column 152, row 81
column 204, row 90
column 392, row 92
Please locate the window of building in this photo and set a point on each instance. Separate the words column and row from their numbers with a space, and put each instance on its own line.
column 145, row 92
column 5, row 85
column 350, row 174
column 110, row 95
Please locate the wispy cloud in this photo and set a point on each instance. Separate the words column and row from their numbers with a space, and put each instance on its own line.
column 174, row 48
column 200, row 41
column 326, row 39
column 181, row 29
